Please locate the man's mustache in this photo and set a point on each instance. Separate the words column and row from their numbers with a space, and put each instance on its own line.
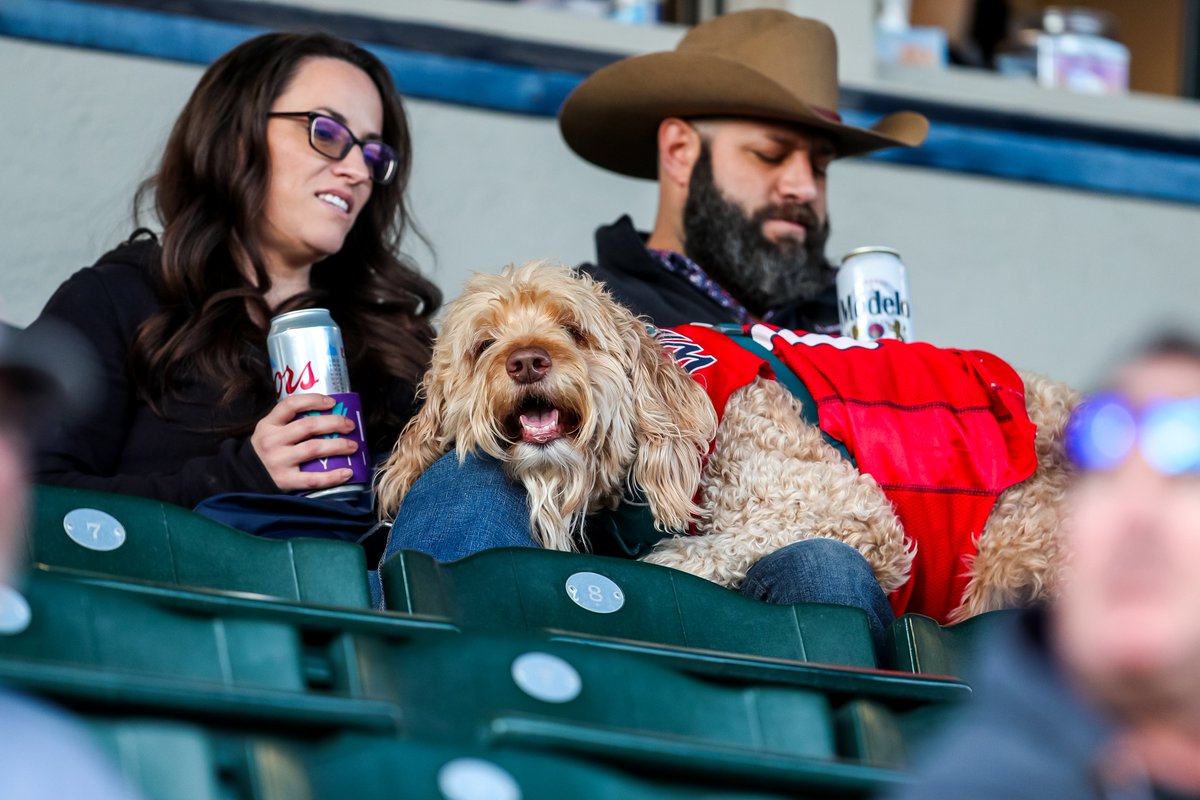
column 795, row 213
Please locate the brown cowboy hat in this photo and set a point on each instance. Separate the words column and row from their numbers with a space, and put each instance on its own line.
column 762, row 63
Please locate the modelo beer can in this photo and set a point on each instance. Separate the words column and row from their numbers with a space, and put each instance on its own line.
column 872, row 287
column 307, row 357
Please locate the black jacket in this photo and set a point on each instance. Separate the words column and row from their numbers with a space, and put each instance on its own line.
column 122, row 445
column 1028, row 731
column 637, row 279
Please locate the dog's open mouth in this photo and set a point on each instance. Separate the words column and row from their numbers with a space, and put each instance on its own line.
column 536, row 421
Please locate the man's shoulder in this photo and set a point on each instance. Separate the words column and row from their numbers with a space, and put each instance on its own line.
column 1041, row 739
column 660, row 296
column 636, row 279
column 621, row 250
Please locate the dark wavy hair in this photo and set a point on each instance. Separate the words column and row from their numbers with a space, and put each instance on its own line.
column 210, row 192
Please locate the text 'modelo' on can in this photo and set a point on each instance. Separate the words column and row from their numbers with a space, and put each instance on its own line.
column 307, row 357
column 873, row 302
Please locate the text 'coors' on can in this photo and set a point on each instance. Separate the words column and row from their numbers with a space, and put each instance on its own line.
column 872, row 287
column 307, row 355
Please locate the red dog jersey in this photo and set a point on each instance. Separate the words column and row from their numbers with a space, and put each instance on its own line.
column 942, row 431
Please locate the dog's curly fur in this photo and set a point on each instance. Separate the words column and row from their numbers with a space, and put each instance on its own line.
column 634, row 419
column 631, row 416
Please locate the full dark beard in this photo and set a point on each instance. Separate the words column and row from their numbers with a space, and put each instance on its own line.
column 732, row 249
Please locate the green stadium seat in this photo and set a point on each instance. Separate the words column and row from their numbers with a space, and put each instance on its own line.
column 76, row 623
column 591, row 703
column 175, row 761
column 474, row 683
column 324, row 624
column 874, row 734
column 919, row 644
column 129, row 651
column 90, row 644
column 515, row 701
column 372, row 769
column 165, row 760
column 146, row 540
column 533, row 590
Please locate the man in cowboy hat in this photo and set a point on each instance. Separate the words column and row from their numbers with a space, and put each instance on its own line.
column 738, row 124
column 43, row 372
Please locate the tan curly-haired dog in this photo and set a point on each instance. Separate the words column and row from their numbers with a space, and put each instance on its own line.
column 544, row 372
column 541, row 369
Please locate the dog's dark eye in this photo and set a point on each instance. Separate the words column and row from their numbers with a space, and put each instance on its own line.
column 576, row 334
column 484, row 345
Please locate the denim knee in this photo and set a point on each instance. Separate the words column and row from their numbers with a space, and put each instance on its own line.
column 454, row 510
column 821, row 571
column 810, row 571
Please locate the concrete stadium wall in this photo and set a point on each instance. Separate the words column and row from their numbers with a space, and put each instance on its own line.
column 1052, row 279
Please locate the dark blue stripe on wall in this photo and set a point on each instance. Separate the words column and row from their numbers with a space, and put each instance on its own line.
column 403, row 34
column 1002, row 120
column 122, row 30
column 193, row 40
column 1091, row 158
column 1111, row 169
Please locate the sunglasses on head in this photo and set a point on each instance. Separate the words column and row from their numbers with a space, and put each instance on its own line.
column 1104, row 430
column 332, row 139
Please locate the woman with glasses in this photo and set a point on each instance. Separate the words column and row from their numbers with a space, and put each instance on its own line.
column 281, row 187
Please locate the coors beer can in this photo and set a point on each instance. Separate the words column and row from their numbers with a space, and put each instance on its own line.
column 872, row 288
column 307, row 357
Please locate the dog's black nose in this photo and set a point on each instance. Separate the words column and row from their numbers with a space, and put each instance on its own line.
column 528, row 365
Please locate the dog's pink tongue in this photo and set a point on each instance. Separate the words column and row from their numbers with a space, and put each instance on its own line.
column 541, row 426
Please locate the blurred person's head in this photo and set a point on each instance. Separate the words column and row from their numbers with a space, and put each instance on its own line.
column 739, row 125
column 1127, row 622
column 45, row 372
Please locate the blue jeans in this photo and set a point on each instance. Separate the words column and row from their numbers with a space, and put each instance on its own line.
column 453, row 511
column 821, row 571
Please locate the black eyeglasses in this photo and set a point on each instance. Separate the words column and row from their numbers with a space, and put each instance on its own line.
column 334, row 140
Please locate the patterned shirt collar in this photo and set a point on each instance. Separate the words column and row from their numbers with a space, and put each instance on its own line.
column 693, row 273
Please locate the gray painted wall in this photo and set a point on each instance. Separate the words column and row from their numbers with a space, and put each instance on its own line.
column 1051, row 279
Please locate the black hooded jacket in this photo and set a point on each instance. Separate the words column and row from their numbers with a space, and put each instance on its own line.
column 636, row 279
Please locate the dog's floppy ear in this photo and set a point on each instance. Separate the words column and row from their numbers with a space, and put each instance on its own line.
column 675, row 424
column 421, row 443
